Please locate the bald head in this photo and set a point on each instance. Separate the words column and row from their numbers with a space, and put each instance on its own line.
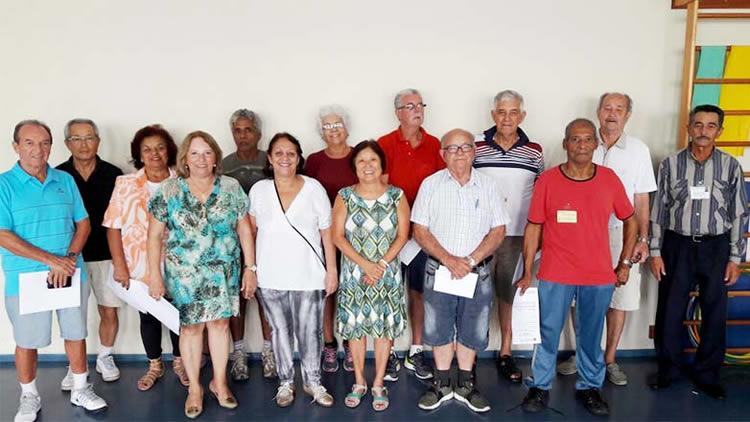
column 461, row 136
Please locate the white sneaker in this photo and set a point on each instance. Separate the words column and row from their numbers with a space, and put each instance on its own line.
column 86, row 398
column 29, row 406
column 106, row 366
column 67, row 382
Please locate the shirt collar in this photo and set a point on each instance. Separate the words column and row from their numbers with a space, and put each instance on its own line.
column 473, row 179
column 400, row 136
column 489, row 136
column 622, row 141
column 24, row 177
column 141, row 179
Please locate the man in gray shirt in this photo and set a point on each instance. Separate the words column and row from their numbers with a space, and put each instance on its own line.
column 698, row 221
column 246, row 165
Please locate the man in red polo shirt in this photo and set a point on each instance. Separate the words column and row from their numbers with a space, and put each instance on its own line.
column 411, row 154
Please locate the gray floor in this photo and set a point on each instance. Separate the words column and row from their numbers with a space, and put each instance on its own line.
column 165, row 401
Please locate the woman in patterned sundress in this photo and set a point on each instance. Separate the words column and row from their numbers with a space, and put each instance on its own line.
column 370, row 226
column 205, row 214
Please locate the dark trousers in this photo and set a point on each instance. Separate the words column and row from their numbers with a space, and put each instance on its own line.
column 689, row 263
column 151, row 336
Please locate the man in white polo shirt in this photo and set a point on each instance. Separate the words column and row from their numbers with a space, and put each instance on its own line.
column 630, row 159
column 506, row 154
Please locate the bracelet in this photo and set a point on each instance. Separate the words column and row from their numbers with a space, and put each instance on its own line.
column 383, row 261
column 253, row 268
column 626, row 262
column 642, row 239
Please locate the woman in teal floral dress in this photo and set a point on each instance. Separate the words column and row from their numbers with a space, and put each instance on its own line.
column 205, row 215
column 370, row 226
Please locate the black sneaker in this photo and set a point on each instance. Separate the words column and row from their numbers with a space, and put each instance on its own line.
column 438, row 394
column 593, row 402
column 418, row 363
column 468, row 394
column 536, row 399
column 392, row 368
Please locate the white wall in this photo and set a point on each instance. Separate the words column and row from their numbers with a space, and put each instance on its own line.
column 189, row 64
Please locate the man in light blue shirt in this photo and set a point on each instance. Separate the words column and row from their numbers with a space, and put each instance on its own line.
column 43, row 226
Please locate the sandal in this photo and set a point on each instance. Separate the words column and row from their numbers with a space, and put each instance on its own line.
column 380, row 399
column 178, row 366
column 193, row 410
column 227, row 402
column 508, row 369
column 353, row 399
column 155, row 371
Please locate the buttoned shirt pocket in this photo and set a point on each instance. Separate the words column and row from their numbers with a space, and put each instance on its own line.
column 679, row 190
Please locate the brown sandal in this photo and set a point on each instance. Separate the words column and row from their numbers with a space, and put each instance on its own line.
column 155, row 371
column 178, row 366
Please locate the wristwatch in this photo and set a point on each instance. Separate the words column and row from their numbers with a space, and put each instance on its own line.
column 642, row 239
column 472, row 261
column 253, row 268
column 72, row 255
column 627, row 263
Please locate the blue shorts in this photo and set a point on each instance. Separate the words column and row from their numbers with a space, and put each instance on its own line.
column 448, row 317
column 34, row 331
column 414, row 272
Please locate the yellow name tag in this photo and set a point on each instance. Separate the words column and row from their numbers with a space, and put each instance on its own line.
column 567, row 216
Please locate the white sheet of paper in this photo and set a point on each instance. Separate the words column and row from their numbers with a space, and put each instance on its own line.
column 699, row 192
column 525, row 319
column 126, row 295
column 459, row 287
column 160, row 309
column 409, row 251
column 34, row 296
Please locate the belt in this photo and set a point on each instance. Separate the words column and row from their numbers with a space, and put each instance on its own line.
column 481, row 263
column 698, row 238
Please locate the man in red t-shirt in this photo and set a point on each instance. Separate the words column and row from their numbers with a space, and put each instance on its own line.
column 411, row 155
column 570, row 210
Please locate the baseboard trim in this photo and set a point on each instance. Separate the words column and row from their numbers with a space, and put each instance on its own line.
column 8, row 360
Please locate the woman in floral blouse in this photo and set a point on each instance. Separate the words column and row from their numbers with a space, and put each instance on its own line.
column 206, row 218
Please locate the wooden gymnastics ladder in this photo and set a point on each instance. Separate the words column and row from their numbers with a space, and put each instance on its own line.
column 688, row 80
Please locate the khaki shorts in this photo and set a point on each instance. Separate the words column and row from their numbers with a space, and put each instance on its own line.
column 503, row 267
column 627, row 297
column 98, row 272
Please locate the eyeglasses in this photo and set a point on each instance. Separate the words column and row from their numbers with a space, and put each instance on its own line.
column 412, row 106
column 332, row 126
column 453, row 149
column 81, row 139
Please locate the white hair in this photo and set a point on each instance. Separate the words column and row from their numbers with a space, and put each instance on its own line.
column 508, row 95
column 332, row 110
column 80, row 121
column 404, row 92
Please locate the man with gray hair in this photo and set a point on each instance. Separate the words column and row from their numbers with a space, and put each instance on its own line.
column 459, row 220
column 246, row 165
column 95, row 179
column 411, row 155
column 43, row 227
column 505, row 153
column 630, row 159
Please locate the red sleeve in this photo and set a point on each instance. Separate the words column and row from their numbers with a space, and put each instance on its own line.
column 386, row 146
column 537, row 208
column 622, row 207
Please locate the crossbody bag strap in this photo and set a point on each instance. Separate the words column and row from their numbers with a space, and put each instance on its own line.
column 278, row 196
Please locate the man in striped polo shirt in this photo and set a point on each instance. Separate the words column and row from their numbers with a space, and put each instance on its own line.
column 698, row 221
column 505, row 153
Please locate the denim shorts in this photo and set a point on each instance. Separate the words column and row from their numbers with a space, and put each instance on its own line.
column 34, row 331
column 448, row 318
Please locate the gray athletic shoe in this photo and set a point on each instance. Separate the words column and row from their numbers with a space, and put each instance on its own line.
column 468, row 394
column 239, row 370
column 29, row 405
column 567, row 367
column 615, row 375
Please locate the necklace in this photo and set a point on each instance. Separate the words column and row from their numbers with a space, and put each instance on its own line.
column 201, row 194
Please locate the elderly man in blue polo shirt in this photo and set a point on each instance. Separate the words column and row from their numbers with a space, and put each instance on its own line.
column 43, row 226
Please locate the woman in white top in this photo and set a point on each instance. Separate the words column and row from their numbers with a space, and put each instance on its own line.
column 291, row 216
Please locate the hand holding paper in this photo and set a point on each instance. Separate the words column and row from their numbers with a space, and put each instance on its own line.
column 445, row 283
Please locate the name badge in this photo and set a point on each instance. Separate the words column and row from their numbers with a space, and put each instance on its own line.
column 567, row 216
column 699, row 192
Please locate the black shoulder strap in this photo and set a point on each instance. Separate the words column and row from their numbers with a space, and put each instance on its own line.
column 320, row 258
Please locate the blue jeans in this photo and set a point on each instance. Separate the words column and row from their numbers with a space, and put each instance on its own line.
column 592, row 303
